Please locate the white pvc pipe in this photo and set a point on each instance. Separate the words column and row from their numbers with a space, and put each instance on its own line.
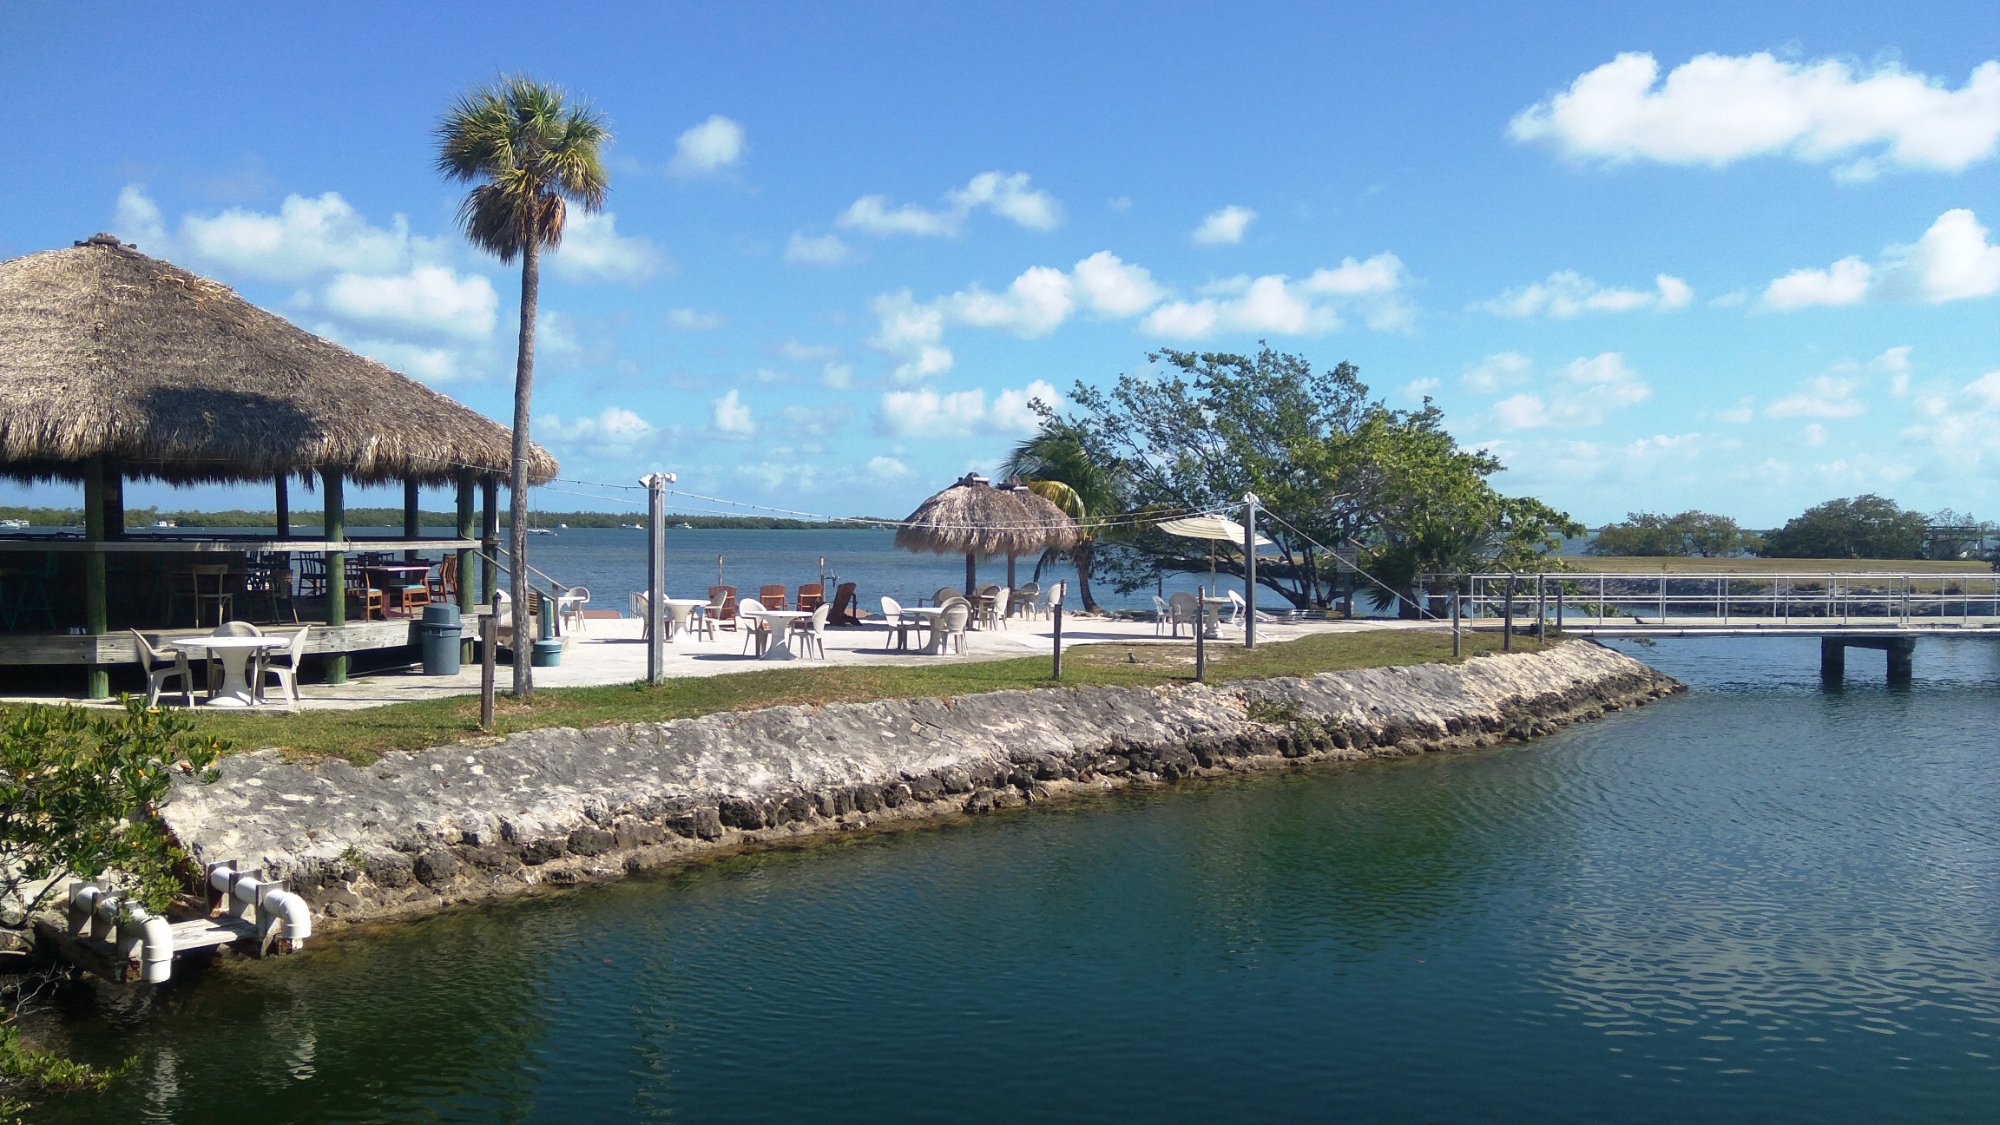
column 290, row 907
column 130, row 928
column 156, row 946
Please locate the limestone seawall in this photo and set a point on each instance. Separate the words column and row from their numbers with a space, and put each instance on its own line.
column 419, row 831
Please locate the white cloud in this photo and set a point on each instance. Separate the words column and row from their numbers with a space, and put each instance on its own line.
column 731, row 416
column 1716, row 109
column 1275, row 303
column 1416, row 390
column 1008, row 196
column 1844, row 283
column 1895, row 363
column 429, row 299
column 711, row 146
column 1036, row 302
column 592, row 249
column 308, row 237
column 883, row 468
column 1986, row 389
column 911, row 332
column 1568, row 293
column 137, row 220
column 1951, row 262
column 1587, row 389
column 838, row 376
column 1823, row 396
column 1112, row 287
column 613, row 428
column 816, row 250
column 1737, row 415
column 1496, row 371
column 694, row 320
column 1224, row 227
column 928, row 413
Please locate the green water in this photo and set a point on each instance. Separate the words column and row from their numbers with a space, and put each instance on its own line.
column 1757, row 902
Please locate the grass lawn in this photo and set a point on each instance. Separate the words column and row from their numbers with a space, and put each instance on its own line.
column 360, row 736
column 1643, row 564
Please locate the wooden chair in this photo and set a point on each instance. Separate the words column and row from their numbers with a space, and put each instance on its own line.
column 811, row 596
column 268, row 585
column 722, row 606
column 210, row 586
column 413, row 596
column 161, row 667
column 844, row 611
column 771, row 597
column 444, row 583
column 359, row 589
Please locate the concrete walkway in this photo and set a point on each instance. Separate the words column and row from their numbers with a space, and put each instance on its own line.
column 611, row 651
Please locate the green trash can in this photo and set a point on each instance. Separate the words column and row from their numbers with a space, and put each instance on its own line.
column 548, row 654
column 439, row 635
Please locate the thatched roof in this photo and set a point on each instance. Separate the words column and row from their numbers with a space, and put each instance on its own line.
column 107, row 352
column 972, row 517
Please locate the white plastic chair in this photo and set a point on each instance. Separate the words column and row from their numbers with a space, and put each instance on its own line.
column 950, row 627
column 892, row 616
column 754, row 626
column 1183, row 609
column 993, row 611
column 811, row 632
column 569, row 608
column 286, row 673
column 176, row 663
column 1163, row 615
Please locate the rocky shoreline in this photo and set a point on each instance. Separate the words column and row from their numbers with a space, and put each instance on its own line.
column 421, row 831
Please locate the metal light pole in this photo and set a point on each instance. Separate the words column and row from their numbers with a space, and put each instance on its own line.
column 1250, row 570
column 656, row 572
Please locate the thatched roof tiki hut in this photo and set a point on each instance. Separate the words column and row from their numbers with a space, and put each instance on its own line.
column 115, row 365
column 977, row 519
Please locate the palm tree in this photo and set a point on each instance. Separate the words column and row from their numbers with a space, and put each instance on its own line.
column 1055, row 465
column 530, row 156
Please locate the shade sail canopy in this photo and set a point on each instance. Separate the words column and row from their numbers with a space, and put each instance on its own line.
column 1208, row 527
column 106, row 352
column 973, row 517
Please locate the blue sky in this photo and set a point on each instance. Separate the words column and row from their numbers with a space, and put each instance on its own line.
column 1655, row 259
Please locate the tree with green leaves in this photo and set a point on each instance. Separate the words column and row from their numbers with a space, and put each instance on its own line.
column 1337, row 470
column 1863, row 527
column 530, row 154
column 1057, row 466
column 1657, row 535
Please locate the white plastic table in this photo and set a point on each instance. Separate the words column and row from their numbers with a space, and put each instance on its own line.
column 778, row 635
column 234, row 652
column 1211, row 616
column 930, row 614
column 679, row 636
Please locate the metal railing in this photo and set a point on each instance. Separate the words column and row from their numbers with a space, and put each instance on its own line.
column 1741, row 599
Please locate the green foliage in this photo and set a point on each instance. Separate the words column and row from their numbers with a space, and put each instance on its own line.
column 528, row 153
column 27, row 1073
column 1058, row 465
column 1689, row 534
column 1344, row 472
column 1864, row 527
column 79, row 790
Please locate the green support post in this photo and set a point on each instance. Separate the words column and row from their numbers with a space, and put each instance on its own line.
column 465, row 531
column 95, row 620
column 489, row 536
column 282, row 493
column 336, row 569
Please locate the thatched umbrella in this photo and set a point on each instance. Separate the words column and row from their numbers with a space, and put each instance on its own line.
column 975, row 518
column 105, row 352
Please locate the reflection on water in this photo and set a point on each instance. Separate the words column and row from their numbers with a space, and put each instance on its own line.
column 1758, row 901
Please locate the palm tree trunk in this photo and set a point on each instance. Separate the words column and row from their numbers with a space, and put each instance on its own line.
column 1082, row 555
column 524, row 386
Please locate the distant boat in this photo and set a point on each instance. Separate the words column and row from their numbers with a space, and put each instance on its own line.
column 13, row 523
column 165, row 523
column 564, row 526
column 540, row 531
column 687, row 527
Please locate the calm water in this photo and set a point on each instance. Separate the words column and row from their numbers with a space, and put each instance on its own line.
column 1757, row 902
column 612, row 563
